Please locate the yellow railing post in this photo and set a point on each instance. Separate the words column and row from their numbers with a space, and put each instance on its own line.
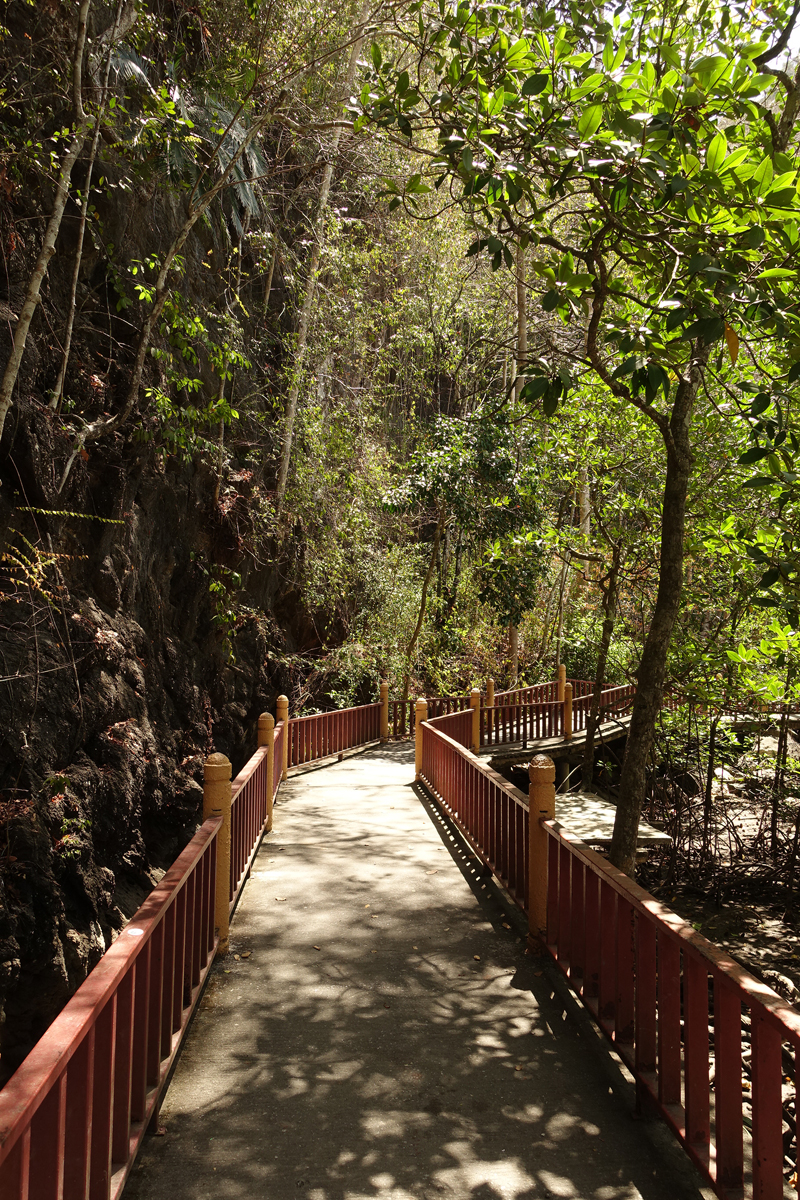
column 568, row 711
column 282, row 714
column 475, row 705
column 420, row 715
column 266, row 737
column 562, row 681
column 541, row 806
column 384, row 711
column 217, row 803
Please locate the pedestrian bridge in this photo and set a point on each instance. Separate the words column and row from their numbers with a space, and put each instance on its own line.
column 432, row 989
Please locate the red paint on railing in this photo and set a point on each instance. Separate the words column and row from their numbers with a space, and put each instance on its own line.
column 321, row 734
column 401, row 718
column 662, row 993
column 248, row 819
column 73, row 1115
column 650, row 989
column 456, row 725
column 280, row 734
column 491, row 814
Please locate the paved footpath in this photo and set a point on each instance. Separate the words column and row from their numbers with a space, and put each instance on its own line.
column 384, row 1035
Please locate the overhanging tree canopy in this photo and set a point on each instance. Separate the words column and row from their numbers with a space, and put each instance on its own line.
column 649, row 161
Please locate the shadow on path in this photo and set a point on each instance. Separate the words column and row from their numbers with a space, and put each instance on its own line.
column 387, row 1036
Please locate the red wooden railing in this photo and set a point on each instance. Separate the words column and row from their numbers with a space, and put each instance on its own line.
column 682, row 1015
column 401, row 718
column 440, row 706
column 74, row 1113
column 679, row 1011
column 528, row 716
column 250, row 811
column 456, row 725
column 507, row 723
column 280, row 735
column 491, row 813
column 322, row 734
column 614, row 702
column 537, row 693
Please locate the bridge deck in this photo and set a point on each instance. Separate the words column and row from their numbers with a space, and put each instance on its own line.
column 383, row 1034
column 556, row 747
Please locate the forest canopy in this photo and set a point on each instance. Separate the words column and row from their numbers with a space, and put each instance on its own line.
column 480, row 323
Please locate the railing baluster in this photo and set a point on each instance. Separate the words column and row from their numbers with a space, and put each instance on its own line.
column 591, row 978
column 728, row 1123
column 552, row 892
column 695, row 1049
column 78, row 1128
column 167, row 977
column 47, row 1132
column 669, row 1020
column 564, row 905
column 123, row 1068
column 646, row 1023
column 102, row 1100
column 767, row 1108
column 624, row 1007
column 141, row 1007
column 154, row 1014
column 607, row 982
column 577, row 955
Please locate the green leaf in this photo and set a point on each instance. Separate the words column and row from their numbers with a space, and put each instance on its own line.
column 590, row 122
column 550, row 300
column 534, row 84
column 759, row 481
column 717, row 149
column 550, row 403
column 608, row 54
column 794, row 373
column 754, row 455
column 709, row 329
column 777, row 273
column 377, row 57
column 535, row 388
column 769, row 577
column 763, row 175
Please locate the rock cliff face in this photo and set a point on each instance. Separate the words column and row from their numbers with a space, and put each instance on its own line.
column 143, row 621
column 122, row 663
column 117, row 681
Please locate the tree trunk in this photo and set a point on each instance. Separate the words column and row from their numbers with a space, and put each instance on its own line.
column 609, row 620
column 522, row 323
column 653, row 664
column 84, row 124
column 58, row 390
column 708, row 801
column 311, row 283
column 423, row 604
column 513, row 655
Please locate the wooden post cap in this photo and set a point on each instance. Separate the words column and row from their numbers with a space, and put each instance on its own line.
column 216, row 767
column 542, row 769
column 475, row 692
column 266, row 725
column 422, row 704
column 384, row 688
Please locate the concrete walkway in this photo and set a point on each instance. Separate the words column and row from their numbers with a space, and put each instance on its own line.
column 384, row 1035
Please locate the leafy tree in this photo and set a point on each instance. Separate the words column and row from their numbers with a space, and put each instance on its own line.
column 646, row 159
column 469, row 472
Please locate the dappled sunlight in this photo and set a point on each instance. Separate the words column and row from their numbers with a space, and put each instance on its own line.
column 387, row 1036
